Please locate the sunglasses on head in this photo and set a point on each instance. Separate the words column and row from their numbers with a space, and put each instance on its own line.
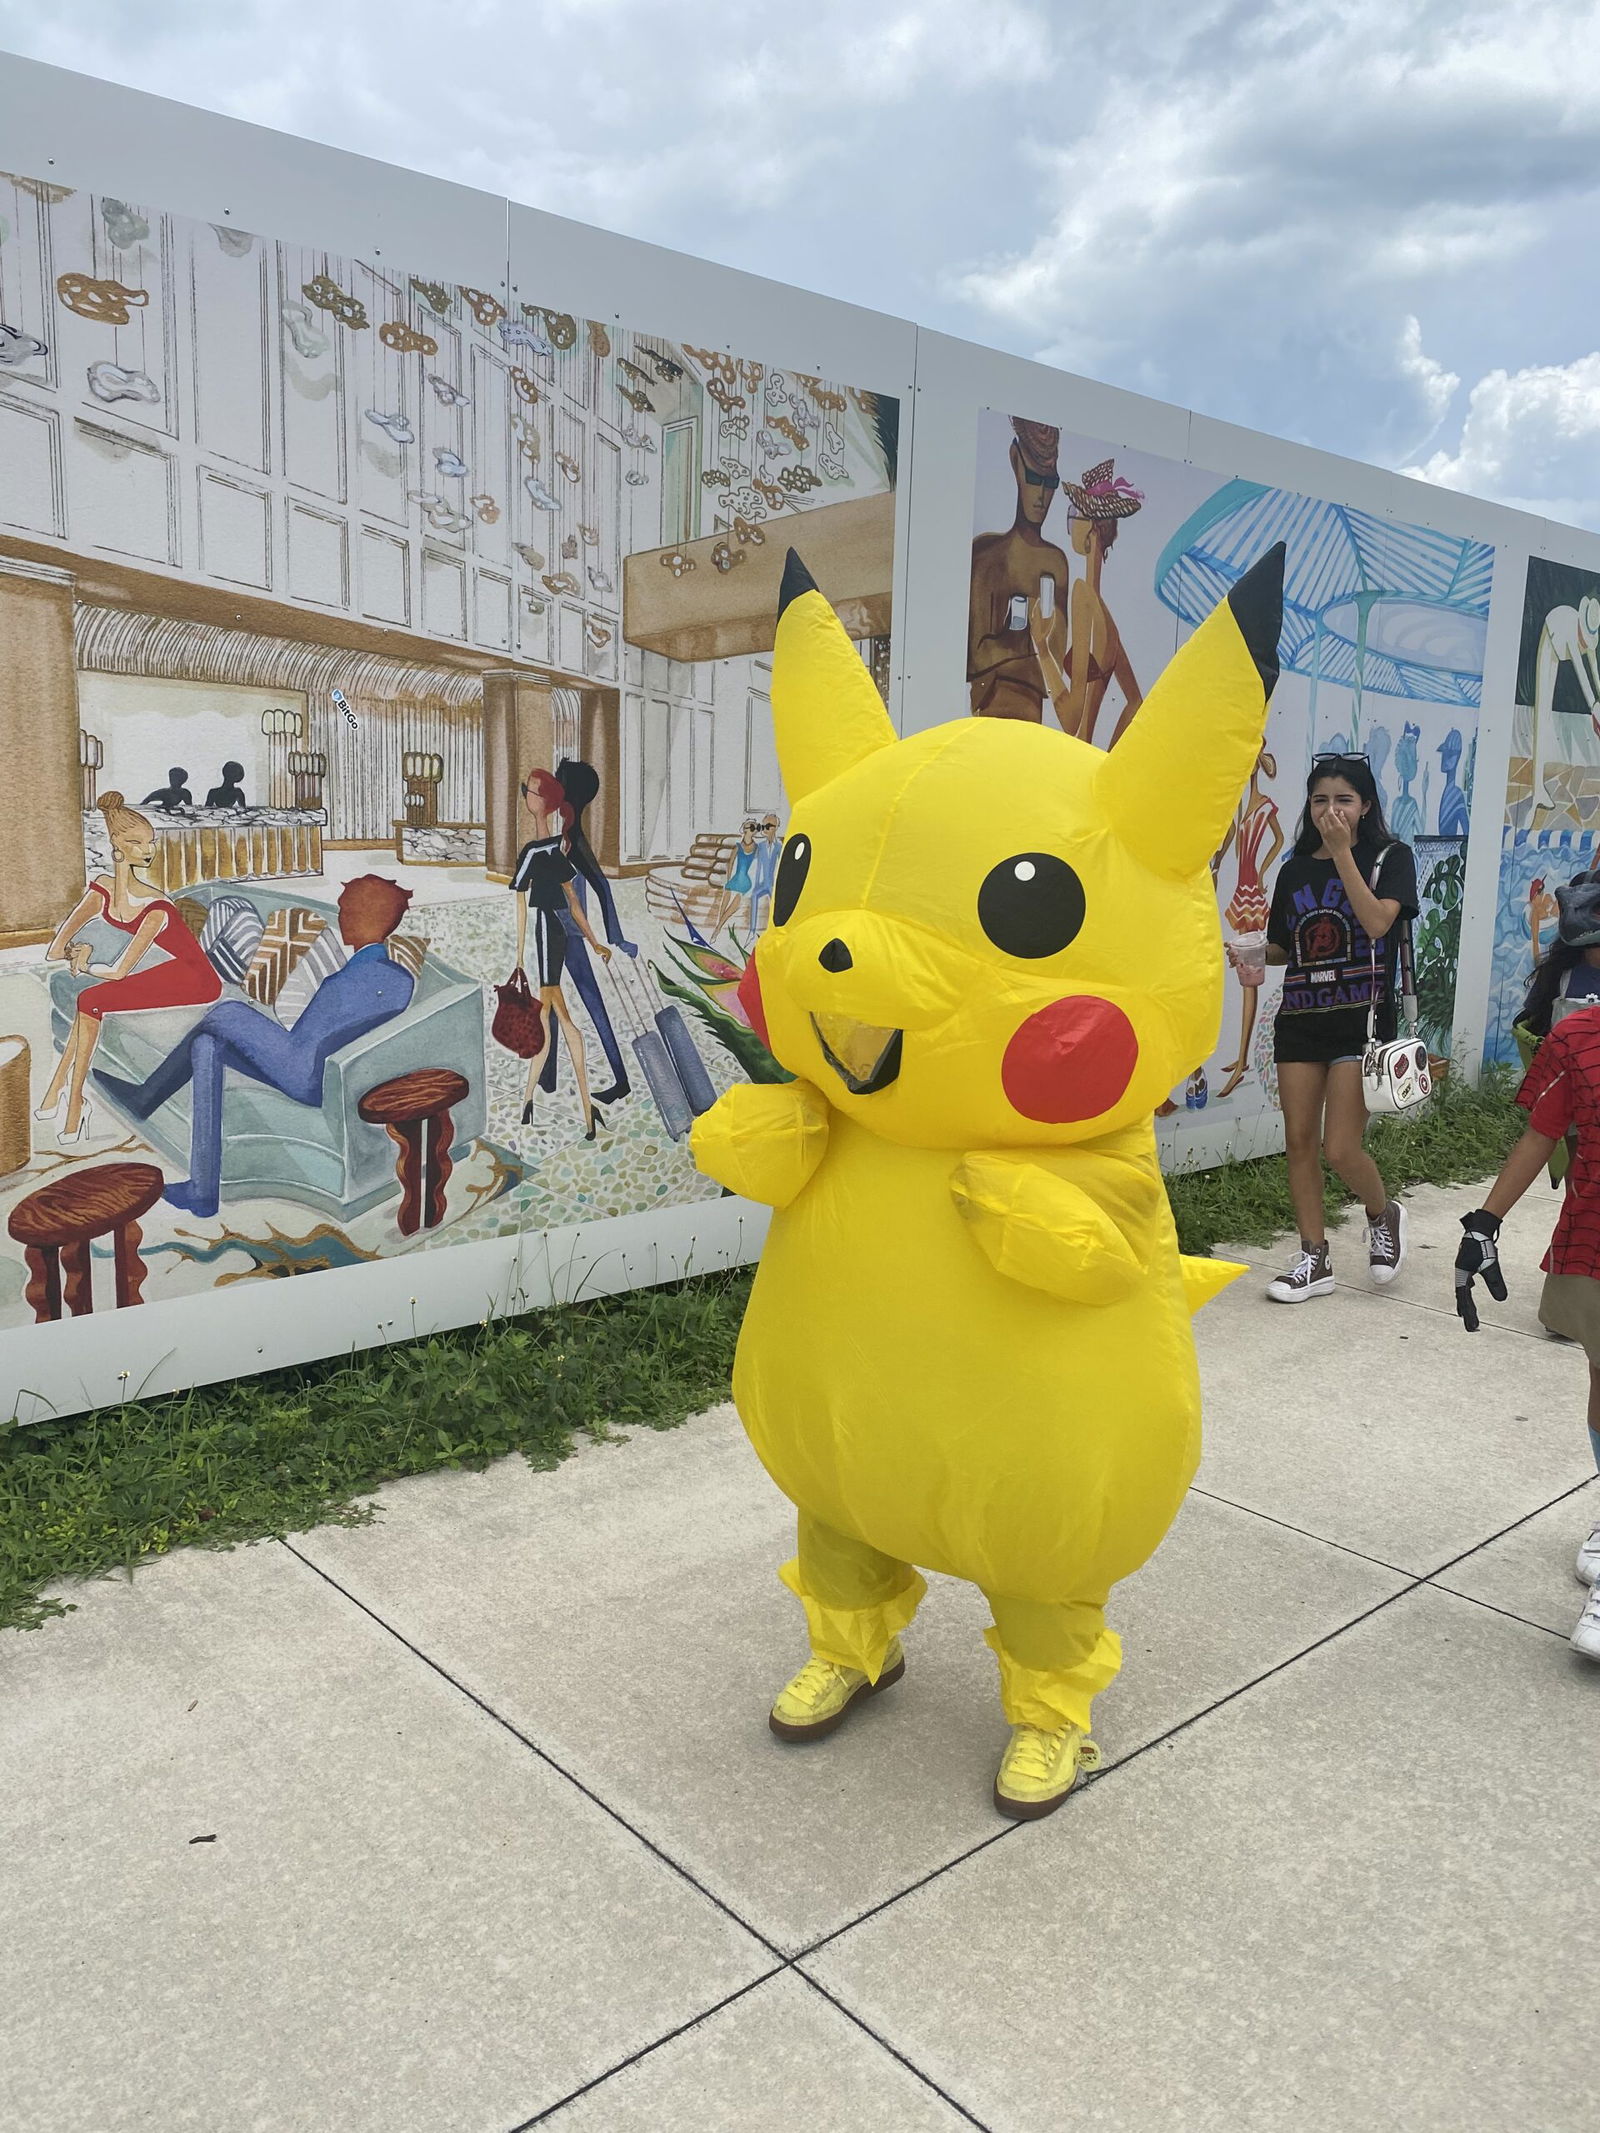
column 1341, row 755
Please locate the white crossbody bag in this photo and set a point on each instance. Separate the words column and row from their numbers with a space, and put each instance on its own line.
column 1395, row 1077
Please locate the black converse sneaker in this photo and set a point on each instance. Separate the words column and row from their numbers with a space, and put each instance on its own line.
column 1311, row 1275
column 1386, row 1244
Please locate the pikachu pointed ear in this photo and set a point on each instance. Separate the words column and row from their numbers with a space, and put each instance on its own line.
column 1170, row 786
column 825, row 710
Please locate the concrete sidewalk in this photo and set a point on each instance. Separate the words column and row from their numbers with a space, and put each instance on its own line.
column 495, row 1833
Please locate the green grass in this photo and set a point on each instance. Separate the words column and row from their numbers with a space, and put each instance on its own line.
column 1466, row 1133
column 277, row 1454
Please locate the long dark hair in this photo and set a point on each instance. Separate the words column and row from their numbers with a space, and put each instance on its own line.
column 1373, row 833
column 580, row 783
column 1539, row 1003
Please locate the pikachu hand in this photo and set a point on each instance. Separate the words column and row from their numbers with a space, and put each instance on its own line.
column 1041, row 1229
column 763, row 1140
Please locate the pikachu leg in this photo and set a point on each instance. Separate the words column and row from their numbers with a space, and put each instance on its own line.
column 856, row 1599
column 1055, row 1657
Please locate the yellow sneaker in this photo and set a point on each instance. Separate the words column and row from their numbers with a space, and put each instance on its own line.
column 821, row 1693
column 1039, row 1769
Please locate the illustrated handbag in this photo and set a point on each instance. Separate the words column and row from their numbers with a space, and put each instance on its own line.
column 518, row 1018
column 1397, row 1076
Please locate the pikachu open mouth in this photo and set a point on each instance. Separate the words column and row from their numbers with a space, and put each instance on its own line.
column 864, row 1055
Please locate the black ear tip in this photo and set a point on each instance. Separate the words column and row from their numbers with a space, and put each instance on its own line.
column 1257, row 605
column 796, row 580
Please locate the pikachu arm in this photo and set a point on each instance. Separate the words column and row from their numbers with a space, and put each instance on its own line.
column 763, row 1140
column 1042, row 1228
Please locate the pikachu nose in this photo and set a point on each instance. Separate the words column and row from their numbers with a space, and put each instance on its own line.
column 836, row 956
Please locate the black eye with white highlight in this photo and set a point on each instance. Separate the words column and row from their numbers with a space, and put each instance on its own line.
column 793, row 867
column 1031, row 905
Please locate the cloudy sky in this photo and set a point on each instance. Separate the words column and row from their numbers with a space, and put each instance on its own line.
column 1367, row 224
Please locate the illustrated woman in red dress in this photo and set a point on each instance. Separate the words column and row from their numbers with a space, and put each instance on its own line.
column 1255, row 826
column 134, row 906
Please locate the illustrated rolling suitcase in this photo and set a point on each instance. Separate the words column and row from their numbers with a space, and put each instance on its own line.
column 650, row 1048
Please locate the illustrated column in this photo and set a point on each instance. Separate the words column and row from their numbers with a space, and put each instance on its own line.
column 518, row 736
column 41, row 830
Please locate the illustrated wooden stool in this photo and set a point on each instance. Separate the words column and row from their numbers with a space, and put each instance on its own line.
column 57, row 1224
column 414, row 1110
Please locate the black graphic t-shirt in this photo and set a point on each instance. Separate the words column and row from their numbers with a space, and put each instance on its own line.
column 1330, row 971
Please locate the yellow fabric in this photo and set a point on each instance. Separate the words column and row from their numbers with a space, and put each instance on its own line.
column 1051, row 1697
column 826, row 711
column 764, row 1139
column 1205, row 1278
column 855, row 1636
column 968, row 1342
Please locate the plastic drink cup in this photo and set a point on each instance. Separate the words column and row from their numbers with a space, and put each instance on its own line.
column 1250, row 958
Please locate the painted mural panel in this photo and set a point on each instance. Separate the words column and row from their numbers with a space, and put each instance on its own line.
column 391, row 806
column 1552, row 826
column 1091, row 563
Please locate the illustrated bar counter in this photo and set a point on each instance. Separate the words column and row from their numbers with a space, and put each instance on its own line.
column 440, row 844
column 221, row 844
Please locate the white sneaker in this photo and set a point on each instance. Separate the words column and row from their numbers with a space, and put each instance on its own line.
column 1311, row 1275
column 1586, row 1637
column 1386, row 1244
column 1587, row 1568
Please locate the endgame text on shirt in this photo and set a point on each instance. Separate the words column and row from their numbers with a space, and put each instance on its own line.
column 1330, row 954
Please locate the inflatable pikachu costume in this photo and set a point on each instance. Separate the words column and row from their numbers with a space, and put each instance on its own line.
column 993, row 950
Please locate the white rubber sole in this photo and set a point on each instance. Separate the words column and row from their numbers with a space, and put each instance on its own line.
column 1383, row 1275
column 1324, row 1287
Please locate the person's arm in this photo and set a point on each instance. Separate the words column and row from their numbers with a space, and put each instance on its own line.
column 131, row 957
column 1479, row 1256
column 60, row 949
column 1270, row 861
column 1224, row 847
column 1375, row 914
column 1276, row 955
column 1546, row 1095
column 600, row 947
column 522, row 928
column 1132, row 695
column 1522, row 1166
column 1068, row 682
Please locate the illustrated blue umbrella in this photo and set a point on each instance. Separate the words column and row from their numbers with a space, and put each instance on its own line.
column 1374, row 604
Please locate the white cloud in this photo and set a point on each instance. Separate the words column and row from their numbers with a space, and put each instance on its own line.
column 1435, row 386
column 1309, row 219
column 1530, row 438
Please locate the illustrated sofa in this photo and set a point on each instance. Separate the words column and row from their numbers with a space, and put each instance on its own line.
column 273, row 1147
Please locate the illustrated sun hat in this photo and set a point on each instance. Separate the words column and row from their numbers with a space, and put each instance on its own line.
column 1102, row 493
column 1578, row 908
column 1038, row 442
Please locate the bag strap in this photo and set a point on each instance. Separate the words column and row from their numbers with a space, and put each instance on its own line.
column 1372, row 992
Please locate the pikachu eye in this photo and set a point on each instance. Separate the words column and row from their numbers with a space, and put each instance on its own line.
column 1031, row 905
column 793, row 868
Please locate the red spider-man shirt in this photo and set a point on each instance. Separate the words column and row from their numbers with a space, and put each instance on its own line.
column 1561, row 1090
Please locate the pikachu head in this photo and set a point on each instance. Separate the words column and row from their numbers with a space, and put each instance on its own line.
column 989, row 934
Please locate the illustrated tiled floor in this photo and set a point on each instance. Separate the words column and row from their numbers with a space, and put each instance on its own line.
column 470, row 1820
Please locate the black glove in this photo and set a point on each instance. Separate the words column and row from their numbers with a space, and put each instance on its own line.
column 1479, row 1255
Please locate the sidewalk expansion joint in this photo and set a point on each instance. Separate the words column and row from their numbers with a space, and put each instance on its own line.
column 656, row 2043
column 1250, row 1510
column 614, row 1814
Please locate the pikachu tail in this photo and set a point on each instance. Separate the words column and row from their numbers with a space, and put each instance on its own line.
column 1205, row 1278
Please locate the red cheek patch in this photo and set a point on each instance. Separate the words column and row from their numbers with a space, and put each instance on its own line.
column 1070, row 1061
column 748, row 994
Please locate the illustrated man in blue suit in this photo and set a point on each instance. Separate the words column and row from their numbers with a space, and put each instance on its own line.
column 367, row 990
